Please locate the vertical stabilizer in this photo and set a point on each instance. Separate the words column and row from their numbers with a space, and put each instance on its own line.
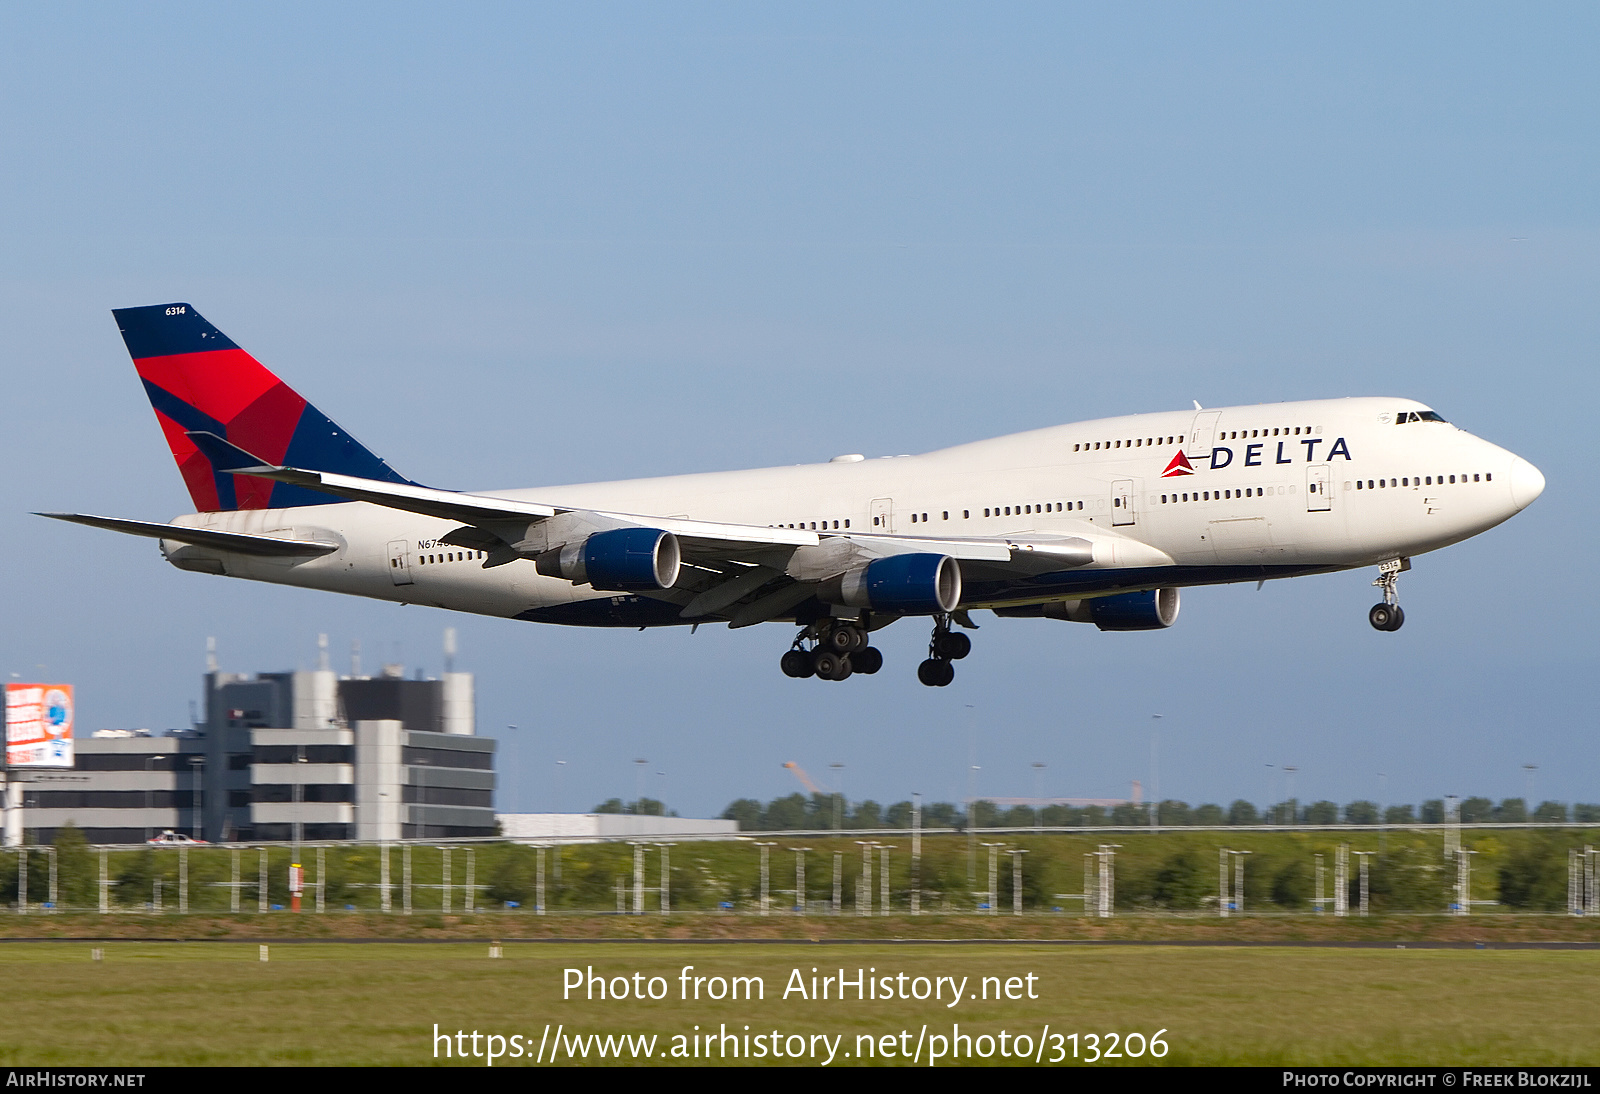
column 198, row 379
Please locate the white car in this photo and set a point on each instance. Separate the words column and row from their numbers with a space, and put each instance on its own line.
column 174, row 839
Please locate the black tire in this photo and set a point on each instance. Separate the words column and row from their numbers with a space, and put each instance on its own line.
column 841, row 639
column 845, row 668
column 868, row 661
column 952, row 645
column 1381, row 616
column 827, row 664
column 797, row 665
column 929, row 672
column 1399, row 618
column 860, row 639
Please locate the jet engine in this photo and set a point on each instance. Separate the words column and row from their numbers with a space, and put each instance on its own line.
column 915, row 584
column 1151, row 610
column 620, row 560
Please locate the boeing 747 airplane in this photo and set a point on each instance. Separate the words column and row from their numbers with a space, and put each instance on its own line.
column 1098, row 522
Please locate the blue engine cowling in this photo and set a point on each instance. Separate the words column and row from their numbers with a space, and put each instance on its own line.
column 1151, row 610
column 621, row 560
column 914, row 584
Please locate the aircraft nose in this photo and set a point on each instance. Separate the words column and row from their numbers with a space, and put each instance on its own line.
column 1526, row 483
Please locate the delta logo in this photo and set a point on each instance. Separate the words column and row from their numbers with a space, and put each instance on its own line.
column 1180, row 465
column 1222, row 456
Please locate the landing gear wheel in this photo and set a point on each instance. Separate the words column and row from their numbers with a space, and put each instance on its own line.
column 951, row 645
column 841, row 639
column 832, row 666
column 1388, row 616
column 868, row 660
column 935, row 673
column 797, row 665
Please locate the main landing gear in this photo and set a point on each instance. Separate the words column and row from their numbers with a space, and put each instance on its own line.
column 833, row 649
column 944, row 647
column 1389, row 616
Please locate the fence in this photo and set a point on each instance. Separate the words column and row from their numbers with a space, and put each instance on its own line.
column 1094, row 872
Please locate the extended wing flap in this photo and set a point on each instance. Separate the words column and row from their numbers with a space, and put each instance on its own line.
column 237, row 542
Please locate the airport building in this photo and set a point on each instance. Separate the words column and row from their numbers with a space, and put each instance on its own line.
column 280, row 756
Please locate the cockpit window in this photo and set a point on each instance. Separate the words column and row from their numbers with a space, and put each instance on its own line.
column 1403, row 416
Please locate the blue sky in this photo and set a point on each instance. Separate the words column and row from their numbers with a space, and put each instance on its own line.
column 519, row 244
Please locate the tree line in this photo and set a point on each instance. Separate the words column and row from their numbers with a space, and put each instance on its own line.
column 798, row 812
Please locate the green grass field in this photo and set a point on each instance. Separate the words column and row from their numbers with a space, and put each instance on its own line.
column 337, row 1004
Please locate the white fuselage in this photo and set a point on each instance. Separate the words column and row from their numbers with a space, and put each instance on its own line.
column 1270, row 491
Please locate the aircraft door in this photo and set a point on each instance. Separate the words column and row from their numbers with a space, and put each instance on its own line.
column 1122, row 502
column 1202, row 433
column 399, row 562
column 882, row 515
column 1318, row 497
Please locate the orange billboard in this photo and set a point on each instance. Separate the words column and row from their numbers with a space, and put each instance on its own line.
column 39, row 725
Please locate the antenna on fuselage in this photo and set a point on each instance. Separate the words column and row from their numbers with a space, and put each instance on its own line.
column 1197, row 405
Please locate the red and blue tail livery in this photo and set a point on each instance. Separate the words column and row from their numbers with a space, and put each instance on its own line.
column 198, row 379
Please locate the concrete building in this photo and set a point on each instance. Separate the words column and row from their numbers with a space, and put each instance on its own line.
column 283, row 756
column 123, row 789
column 538, row 827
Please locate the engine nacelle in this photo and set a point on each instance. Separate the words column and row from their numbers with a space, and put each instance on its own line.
column 914, row 584
column 621, row 560
column 1151, row 610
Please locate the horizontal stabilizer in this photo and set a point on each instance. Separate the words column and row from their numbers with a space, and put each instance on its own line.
column 238, row 542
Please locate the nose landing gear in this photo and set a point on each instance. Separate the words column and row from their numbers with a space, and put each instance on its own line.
column 1389, row 616
column 834, row 649
column 944, row 647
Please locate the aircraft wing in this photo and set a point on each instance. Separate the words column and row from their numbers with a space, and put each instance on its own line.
column 746, row 573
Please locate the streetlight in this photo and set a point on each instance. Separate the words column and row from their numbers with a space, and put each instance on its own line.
column 638, row 783
column 1288, row 793
column 1038, row 807
column 1528, row 782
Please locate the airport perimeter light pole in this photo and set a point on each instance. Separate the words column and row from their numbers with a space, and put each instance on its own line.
column 1527, row 779
column 1288, row 794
